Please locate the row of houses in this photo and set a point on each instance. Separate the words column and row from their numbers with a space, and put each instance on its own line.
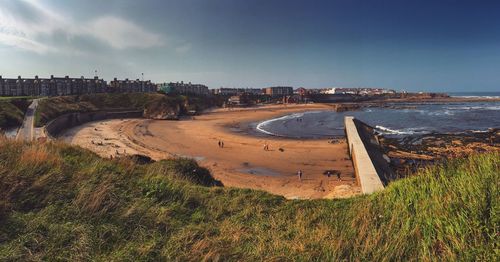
column 61, row 86
column 226, row 91
column 357, row 91
column 271, row 91
column 182, row 88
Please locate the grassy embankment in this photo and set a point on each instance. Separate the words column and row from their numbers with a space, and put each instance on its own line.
column 53, row 107
column 59, row 202
column 12, row 111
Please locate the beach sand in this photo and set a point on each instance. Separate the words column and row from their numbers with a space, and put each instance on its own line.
column 243, row 162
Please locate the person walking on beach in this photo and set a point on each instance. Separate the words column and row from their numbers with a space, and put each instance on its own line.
column 300, row 175
column 338, row 176
column 266, row 147
column 220, row 143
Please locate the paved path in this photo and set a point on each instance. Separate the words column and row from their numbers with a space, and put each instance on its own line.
column 26, row 131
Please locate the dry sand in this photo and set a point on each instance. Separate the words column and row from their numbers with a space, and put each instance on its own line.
column 242, row 162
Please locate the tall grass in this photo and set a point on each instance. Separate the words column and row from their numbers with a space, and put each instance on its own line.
column 69, row 204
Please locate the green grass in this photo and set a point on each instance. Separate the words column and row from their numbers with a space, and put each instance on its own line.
column 8, row 98
column 12, row 112
column 59, row 202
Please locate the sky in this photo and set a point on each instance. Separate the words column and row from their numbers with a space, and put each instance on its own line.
column 438, row 45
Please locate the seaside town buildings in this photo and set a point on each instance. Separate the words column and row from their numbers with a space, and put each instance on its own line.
column 131, row 86
column 237, row 91
column 182, row 88
column 356, row 91
column 62, row 86
column 279, row 91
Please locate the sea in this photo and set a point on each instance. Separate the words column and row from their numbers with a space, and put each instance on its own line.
column 395, row 119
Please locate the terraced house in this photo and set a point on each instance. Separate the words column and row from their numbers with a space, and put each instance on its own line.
column 182, row 88
column 131, row 86
column 62, row 86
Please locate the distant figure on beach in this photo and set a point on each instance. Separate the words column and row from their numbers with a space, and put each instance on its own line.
column 338, row 176
column 300, row 175
column 266, row 147
column 220, row 143
column 328, row 173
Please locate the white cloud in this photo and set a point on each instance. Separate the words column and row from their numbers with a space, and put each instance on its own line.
column 23, row 43
column 122, row 34
column 30, row 26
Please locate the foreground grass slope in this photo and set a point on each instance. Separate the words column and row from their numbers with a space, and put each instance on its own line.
column 59, row 202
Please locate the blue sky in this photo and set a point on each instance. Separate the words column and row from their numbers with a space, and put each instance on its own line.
column 406, row 45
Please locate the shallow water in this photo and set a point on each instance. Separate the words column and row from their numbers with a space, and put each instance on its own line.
column 398, row 120
column 261, row 171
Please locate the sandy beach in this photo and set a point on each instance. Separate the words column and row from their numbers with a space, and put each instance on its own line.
column 242, row 162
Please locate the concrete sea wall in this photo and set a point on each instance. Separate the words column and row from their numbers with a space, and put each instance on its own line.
column 61, row 123
column 366, row 173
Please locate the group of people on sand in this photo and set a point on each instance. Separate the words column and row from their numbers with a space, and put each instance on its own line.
column 221, row 144
column 328, row 173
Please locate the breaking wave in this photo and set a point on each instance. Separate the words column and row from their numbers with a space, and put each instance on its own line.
column 262, row 124
column 406, row 131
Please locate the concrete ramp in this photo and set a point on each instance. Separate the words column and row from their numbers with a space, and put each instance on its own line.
column 366, row 174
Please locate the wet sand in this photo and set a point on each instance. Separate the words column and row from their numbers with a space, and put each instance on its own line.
column 242, row 162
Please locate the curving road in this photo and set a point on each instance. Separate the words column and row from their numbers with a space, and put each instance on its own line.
column 26, row 131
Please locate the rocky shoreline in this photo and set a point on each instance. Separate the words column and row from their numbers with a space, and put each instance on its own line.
column 409, row 153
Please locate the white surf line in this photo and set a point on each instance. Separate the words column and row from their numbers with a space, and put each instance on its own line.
column 261, row 125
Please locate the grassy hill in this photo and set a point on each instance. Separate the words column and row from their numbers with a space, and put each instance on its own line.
column 53, row 107
column 12, row 111
column 59, row 202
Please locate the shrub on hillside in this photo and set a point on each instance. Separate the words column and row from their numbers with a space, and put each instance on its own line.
column 187, row 169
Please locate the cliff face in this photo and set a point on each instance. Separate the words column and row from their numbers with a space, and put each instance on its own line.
column 162, row 111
